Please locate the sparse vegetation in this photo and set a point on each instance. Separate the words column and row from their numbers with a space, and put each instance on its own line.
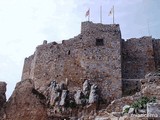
column 140, row 104
column 126, row 110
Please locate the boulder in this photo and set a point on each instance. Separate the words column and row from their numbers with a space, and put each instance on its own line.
column 86, row 87
column 78, row 97
column 117, row 114
column 93, row 97
column 125, row 107
column 142, row 111
column 54, row 93
column 131, row 111
column 153, row 110
column 63, row 97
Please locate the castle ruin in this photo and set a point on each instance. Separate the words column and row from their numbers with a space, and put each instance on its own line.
column 98, row 54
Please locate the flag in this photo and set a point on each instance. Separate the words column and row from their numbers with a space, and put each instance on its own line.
column 87, row 13
column 111, row 11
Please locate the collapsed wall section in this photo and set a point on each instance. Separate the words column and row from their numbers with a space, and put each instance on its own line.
column 137, row 58
column 95, row 55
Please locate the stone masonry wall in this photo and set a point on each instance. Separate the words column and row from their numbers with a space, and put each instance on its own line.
column 27, row 67
column 156, row 46
column 137, row 58
column 130, row 86
column 95, row 54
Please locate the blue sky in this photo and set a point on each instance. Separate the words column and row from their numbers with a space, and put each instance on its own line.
column 24, row 24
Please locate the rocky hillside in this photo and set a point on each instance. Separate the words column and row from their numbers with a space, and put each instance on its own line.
column 138, row 106
column 56, row 102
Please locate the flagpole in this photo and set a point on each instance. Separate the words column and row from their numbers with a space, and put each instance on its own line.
column 113, row 14
column 101, row 14
column 148, row 28
column 89, row 15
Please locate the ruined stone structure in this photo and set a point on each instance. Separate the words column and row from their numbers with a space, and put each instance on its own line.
column 78, row 78
column 138, row 57
column 98, row 54
column 95, row 55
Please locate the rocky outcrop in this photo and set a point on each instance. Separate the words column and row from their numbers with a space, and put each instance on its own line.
column 25, row 103
column 78, row 97
column 63, row 97
column 53, row 93
column 153, row 109
column 93, row 97
column 86, row 87
column 2, row 93
column 56, row 102
column 2, row 98
column 150, row 89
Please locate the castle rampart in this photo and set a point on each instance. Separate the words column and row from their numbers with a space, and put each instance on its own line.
column 156, row 48
column 137, row 57
column 97, row 54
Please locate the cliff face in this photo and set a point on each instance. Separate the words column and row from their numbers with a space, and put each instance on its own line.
column 25, row 103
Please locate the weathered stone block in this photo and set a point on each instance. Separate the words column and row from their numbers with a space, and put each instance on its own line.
column 153, row 110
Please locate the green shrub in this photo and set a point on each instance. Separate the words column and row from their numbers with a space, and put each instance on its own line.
column 126, row 110
column 142, row 102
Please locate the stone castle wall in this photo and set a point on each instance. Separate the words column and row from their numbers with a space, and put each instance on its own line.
column 137, row 58
column 97, row 54
column 156, row 47
column 27, row 67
